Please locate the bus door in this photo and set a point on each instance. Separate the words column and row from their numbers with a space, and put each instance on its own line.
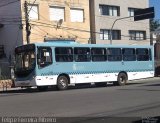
column 44, row 62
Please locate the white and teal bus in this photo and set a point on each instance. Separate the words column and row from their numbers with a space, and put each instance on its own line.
column 64, row 63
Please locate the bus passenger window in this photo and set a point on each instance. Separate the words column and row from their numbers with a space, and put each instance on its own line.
column 114, row 54
column 129, row 54
column 142, row 54
column 98, row 54
column 82, row 54
column 64, row 54
column 45, row 56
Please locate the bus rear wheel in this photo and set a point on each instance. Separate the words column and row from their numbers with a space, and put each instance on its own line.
column 122, row 79
column 62, row 82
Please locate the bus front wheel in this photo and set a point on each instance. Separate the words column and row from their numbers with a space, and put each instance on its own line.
column 122, row 79
column 62, row 82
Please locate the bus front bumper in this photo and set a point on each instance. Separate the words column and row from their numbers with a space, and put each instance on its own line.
column 26, row 83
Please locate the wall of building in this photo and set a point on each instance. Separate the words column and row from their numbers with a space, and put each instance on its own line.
column 11, row 33
column 106, row 22
column 45, row 28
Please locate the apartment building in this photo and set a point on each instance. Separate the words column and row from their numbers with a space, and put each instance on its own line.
column 68, row 19
column 125, row 31
column 48, row 19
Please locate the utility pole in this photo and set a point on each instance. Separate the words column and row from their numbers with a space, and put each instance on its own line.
column 28, row 27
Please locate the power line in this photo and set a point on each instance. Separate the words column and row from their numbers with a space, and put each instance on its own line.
column 38, row 34
column 52, row 26
column 31, row 6
column 63, row 27
column 6, row 4
column 45, row 31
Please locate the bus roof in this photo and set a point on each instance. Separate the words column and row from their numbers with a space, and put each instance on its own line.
column 75, row 44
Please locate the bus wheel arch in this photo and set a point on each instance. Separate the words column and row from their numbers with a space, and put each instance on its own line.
column 122, row 78
column 62, row 81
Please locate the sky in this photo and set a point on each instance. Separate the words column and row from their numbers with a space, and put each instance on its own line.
column 156, row 5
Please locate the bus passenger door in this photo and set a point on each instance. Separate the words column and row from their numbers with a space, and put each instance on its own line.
column 44, row 61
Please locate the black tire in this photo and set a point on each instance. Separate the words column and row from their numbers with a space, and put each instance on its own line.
column 122, row 79
column 62, row 83
column 42, row 88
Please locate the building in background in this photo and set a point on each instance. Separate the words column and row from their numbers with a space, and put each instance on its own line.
column 127, row 31
column 48, row 19
column 65, row 19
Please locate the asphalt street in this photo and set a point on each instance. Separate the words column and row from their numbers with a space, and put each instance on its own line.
column 139, row 99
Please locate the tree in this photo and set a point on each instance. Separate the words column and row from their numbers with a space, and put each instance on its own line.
column 154, row 24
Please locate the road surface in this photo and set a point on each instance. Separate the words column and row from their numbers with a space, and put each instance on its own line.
column 141, row 99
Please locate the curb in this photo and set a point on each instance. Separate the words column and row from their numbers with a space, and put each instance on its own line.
column 9, row 89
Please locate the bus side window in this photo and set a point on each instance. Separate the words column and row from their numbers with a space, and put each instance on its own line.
column 98, row 54
column 45, row 56
column 129, row 54
column 142, row 54
column 114, row 54
column 82, row 54
column 64, row 54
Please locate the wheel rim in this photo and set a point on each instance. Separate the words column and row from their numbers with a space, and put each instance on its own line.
column 122, row 79
column 62, row 82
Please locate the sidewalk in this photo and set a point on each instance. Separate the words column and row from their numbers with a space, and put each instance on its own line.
column 9, row 89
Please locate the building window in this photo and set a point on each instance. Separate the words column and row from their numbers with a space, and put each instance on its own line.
column 56, row 13
column 33, row 12
column 109, row 10
column 105, row 34
column 131, row 11
column 137, row 35
column 77, row 15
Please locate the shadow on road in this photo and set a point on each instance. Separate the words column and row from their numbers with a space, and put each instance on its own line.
column 152, row 85
column 53, row 88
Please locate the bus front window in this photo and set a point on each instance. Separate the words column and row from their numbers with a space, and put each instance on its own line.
column 25, row 62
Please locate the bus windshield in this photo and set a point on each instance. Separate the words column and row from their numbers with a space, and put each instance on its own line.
column 25, row 61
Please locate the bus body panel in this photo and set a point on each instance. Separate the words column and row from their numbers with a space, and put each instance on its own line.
column 103, row 72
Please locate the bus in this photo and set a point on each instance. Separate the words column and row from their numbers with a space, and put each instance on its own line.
column 64, row 63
